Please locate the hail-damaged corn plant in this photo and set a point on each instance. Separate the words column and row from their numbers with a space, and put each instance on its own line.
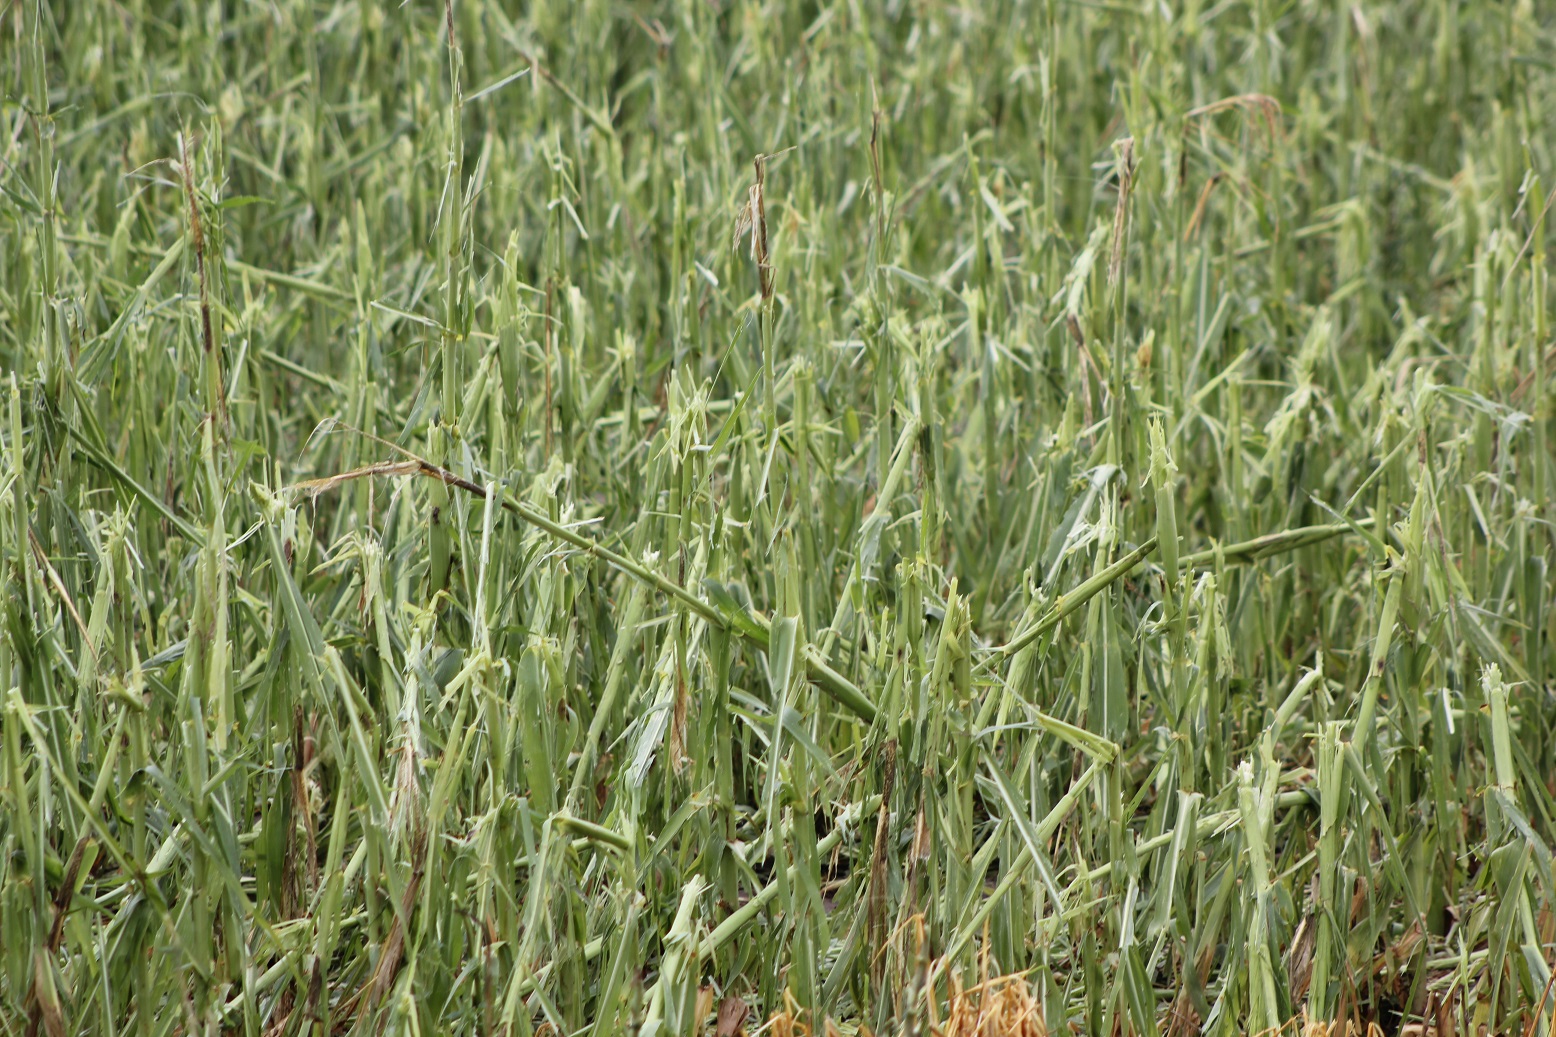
column 674, row 516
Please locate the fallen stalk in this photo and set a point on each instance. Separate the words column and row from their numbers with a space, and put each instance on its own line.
column 840, row 688
column 1236, row 554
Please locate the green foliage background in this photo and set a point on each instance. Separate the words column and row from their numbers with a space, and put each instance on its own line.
column 1088, row 514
